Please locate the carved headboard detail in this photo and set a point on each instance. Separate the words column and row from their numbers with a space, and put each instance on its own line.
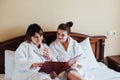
column 97, row 43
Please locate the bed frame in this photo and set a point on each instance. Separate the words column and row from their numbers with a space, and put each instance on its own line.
column 97, row 43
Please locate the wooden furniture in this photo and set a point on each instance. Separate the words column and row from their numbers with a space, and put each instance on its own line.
column 114, row 62
column 97, row 43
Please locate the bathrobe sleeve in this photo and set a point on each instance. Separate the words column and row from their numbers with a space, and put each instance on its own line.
column 53, row 51
column 81, row 62
column 21, row 57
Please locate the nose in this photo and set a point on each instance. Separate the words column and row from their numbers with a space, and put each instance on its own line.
column 39, row 38
column 59, row 36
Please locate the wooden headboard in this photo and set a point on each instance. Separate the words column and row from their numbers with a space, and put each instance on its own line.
column 97, row 43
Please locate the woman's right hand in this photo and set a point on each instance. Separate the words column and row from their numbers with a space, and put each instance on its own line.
column 46, row 53
column 34, row 65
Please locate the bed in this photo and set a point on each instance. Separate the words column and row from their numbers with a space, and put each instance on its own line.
column 94, row 45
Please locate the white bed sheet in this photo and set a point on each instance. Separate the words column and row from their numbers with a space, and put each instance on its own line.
column 103, row 73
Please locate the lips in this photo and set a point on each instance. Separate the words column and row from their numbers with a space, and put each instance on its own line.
column 60, row 38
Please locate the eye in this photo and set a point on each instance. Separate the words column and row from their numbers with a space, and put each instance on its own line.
column 62, row 35
column 35, row 36
column 58, row 34
column 41, row 35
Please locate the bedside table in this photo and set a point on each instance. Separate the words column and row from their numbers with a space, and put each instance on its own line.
column 114, row 62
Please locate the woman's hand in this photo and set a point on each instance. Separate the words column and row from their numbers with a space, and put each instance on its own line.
column 53, row 74
column 46, row 53
column 76, row 65
column 35, row 65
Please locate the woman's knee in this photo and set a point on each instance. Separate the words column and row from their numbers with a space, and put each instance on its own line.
column 73, row 75
column 70, row 74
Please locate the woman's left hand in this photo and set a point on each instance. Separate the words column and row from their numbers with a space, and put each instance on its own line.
column 76, row 65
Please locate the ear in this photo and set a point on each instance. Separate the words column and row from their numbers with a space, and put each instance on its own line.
column 43, row 40
column 68, row 35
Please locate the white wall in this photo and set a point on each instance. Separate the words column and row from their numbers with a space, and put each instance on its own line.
column 92, row 17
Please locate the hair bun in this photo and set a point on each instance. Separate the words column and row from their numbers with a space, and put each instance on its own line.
column 70, row 23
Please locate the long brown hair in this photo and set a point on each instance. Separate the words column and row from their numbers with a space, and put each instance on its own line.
column 32, row 29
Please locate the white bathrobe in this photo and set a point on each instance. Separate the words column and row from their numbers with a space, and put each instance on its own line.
column 73, row 50
column 27, row 54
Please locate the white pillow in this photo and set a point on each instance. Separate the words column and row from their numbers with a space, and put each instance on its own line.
column 90, row 58
column 9, row 63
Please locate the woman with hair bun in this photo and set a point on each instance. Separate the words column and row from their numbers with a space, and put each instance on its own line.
column 64, row 48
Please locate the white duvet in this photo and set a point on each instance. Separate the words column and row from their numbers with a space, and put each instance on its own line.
column 100, row 73
column 103, row 73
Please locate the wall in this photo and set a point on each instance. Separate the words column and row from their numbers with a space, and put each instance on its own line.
column 93, row 17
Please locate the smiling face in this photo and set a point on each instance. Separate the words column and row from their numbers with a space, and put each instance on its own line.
column 62, row 35
column 37, row 39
